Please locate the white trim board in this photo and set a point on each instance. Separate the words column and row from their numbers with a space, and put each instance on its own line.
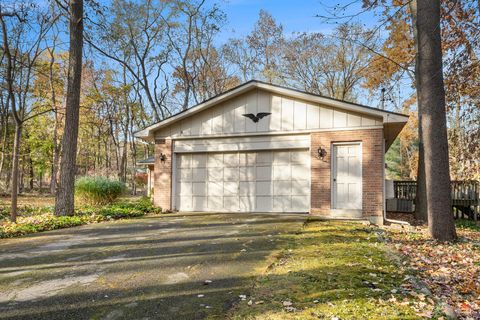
column 271, row 133
column 243, row 144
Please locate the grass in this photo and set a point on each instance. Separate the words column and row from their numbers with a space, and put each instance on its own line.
column 330, row 270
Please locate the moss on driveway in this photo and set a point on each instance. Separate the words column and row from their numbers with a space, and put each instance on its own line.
column 330, row 270
column 198, row 265
column 149, row 268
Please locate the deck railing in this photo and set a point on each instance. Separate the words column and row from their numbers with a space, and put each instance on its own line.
column 465, row 196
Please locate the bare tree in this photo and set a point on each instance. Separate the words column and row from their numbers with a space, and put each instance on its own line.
column 64, row 200
column 57, row 117
column 21, row 57
column 268, row 41
column 242, row 57
column 200, row 71
column 134, row 35
column 332, row 65
column 5, row 126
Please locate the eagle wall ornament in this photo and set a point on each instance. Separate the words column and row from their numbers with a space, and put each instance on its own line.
column 256, row 118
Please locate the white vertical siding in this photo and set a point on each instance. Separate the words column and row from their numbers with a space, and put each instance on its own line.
column 287, row 114
column 313, row 116
column 299, row 115
column 239, row 119
column 264, row 104
column 251, row 107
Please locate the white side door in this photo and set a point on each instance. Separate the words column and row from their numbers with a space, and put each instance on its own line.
column 347, row 176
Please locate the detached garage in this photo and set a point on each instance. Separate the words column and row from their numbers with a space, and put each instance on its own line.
column 266, row 148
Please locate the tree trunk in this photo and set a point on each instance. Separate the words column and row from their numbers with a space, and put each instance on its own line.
column 432, row 114
column 56, row 146
column 4, row 141
column 64, row 204
column 421, row 195
column 31, row 174
column 421, row 211
column 56, row 158
column 15, row 171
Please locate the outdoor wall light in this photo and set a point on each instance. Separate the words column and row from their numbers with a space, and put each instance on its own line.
column 322, row 153
column 163, row 157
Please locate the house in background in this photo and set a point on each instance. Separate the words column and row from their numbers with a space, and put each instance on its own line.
column 265, row 148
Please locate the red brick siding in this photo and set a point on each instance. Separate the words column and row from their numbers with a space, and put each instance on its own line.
column 162, row 193
column 372, row 169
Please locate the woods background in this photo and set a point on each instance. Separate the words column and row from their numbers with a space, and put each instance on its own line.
column 146, row 60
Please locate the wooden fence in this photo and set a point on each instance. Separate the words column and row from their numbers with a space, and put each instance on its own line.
column 465, row 197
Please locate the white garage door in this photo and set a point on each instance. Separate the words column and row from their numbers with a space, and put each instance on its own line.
column 256, row 181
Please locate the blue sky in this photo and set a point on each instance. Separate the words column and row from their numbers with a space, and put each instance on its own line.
column 299, row 16
column 294, row 15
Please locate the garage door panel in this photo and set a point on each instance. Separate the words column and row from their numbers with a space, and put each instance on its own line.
column 246, row 188
column 282, row 172
column 230, row 159
column 215, row 174
column 300, row 157
column 247, row 173
column 231, row 203
column 263, row 204
column 282, row 203
column 185, row 161
column 185, row 203
column 230, row 174
column 199, row 160
column 262, row 181
column 282, row 188
column 248, row 158
column 215, row 160
column 281, row 157
column 230, row 188
column 247, row 203
column 263, row 173
column 199, row 203
column 264, row 157
column 300, row 187
column 263, row 188
column 199, row 174
column 301, row 202
column 300, row 172
column 215, row 188
column 215, row 203
column 198, row 189
column 184, row 174
column 184, row 188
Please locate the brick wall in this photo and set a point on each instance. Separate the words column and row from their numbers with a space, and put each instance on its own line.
column 372, row 170
column 163, row 174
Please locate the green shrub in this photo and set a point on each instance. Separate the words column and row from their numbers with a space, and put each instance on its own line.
column 4, row 212
column 467, row 224
column 42, row 219
column 41, row 223
column 144, row 204
column 114, row 212
column 98, row 190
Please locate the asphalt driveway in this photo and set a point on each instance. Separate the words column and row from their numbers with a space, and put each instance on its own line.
column 182, row 266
